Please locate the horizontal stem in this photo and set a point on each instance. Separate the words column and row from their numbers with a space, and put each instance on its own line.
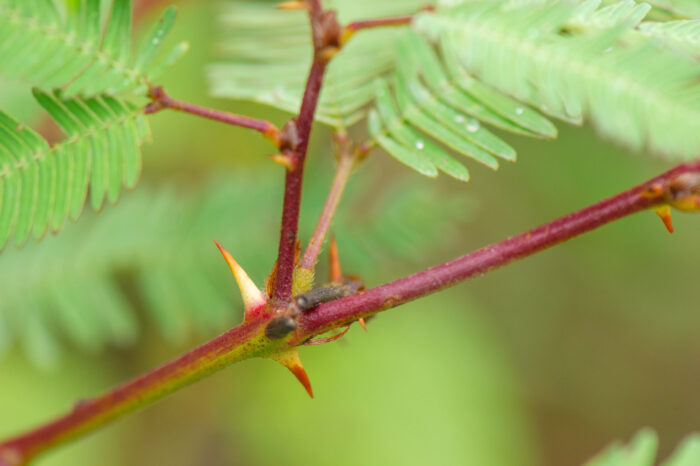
column 239, row 343
column 161, row 100
column 379, row 22
column 343, row 311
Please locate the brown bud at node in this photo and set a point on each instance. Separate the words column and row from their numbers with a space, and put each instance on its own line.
column 289, row 137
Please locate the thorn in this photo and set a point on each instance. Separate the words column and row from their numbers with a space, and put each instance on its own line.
column 287, row 160
column 664, row 213
column 292, row 5
column 290, row 360
column 362, row 323
column 251, row 294
column 334, row 257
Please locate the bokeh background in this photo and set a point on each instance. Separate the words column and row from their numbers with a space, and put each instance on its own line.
column 541, row 363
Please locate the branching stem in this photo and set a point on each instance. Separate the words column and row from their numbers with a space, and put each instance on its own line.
column 160, row 100
column 679, row 187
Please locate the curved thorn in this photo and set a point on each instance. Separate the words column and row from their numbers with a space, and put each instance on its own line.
column 251, row 294
column 290, row 360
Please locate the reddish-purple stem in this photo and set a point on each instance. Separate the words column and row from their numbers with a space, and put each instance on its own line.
column 236, row 344
column 247, row 341
column 379, row 22
column 342, row 311
column 161, row 100
column 282, row 291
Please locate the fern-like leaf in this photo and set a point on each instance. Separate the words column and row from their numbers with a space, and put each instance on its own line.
column 634, row 91
column 642, row 449
column 50, row 45
column 683, row 8
column 270, row 54
column 450, row 109
column 40, row 185
column 683, row 34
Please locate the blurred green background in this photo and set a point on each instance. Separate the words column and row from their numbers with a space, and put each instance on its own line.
column 541, row 363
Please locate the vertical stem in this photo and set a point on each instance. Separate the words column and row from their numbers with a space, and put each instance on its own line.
column 282, row 291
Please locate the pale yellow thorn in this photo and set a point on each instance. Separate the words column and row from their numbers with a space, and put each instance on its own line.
column 293, row 5
column 251, row 294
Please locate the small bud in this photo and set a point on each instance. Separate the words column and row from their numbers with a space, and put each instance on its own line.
column 683, row 193
column 289, row 136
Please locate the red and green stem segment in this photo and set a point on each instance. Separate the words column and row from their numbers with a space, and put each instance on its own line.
column 679, row 187
column 286, row 254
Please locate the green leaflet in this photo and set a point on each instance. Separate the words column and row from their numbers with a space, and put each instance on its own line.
column 641, row 451
column 681, row 8
column 43, row 185
column 52, row 45
column 683, row 35
column 575, row 62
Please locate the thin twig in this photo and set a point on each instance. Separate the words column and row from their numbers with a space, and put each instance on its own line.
column 379, row 22
column 351, row 28
column 345, row 163
column 160, row 101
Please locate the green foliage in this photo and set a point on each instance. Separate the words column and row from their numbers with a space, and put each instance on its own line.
column 268, row 55
column 64, row 45
column 641, row 451
column 568, row 59
column 571, row 62
column 50, row 45
column 168, row 266
column 449, row 109
column 681, row 8
column 43, row 185
column 682, row 34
